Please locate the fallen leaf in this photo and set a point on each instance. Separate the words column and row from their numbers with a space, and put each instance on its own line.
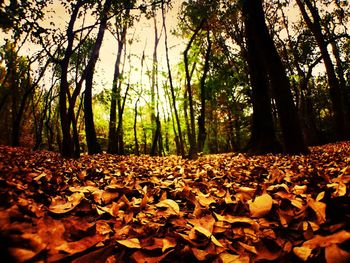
column 171, row 205
column 261, row 206
column 130, row 243
column 302, row 252
column 334, row 254
column 61, row 206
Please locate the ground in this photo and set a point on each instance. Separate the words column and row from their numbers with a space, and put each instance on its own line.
column 218, row 208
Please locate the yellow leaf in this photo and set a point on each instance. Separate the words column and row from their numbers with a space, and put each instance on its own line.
column 169, row 204
column 215, row 241
column 320, row 196
column 234, row 219
column 229, row 258
column 302, row 252
column 251, row 249
column 168, row 243
column 261, row 205
column 203, row 231
column 130, row 243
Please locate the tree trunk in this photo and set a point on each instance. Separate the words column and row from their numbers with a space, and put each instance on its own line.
column 202, row 133
column 67, row 146
column 91, row 138
column 137, row 150
column 172, row 90
column 291, row 132
column 334, row 87
column 112, row 133
column 263, row 139
column 192, row 138
column 156, row 138
column 154, row 85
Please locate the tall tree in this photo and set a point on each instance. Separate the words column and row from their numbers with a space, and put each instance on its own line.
column 263, row 138
column 192, row 127
column 291, row 132
column 68, row 148
column 172, row 89
column 202, row 133
column 314, row 23
column 122, row 23
column 91, row 138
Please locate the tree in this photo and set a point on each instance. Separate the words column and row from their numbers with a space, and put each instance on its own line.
column 293, row 141
column 122, row 23
column 263, row 138
column 314, row 24
column 91, row 139
column 172, row 90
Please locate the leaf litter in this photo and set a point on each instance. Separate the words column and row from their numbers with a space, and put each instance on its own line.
column 218, row 208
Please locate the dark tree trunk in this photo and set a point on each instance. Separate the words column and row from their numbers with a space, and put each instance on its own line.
column 67, row 146
column 137, row 150
column 263, row 139
column 91, row 138
column 178, row 139
column 343, row 86
column 291, row 132
column 202, row 133
column 120, row 132
column 334, row 88
column 156, row 139
column 192, row 138
column 112, row 133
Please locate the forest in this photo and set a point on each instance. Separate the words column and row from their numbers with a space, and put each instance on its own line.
column 175, row 131
column 248, row 76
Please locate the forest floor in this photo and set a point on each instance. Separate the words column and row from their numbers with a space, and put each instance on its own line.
column 218, row 208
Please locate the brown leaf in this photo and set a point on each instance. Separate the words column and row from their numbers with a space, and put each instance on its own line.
column 141, row 257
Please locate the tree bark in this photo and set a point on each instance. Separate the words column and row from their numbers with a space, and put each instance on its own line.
column 172, row 90
column 202, row 133
column 91, row 138
column 334, row 87
column 112, row 132
column 291, row 132
column 67, row 146
column 263, row 139
column 192, row 138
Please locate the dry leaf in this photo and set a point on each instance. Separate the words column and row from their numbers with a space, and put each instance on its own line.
column 261, row 206
column 130, row 243
column 60, row 206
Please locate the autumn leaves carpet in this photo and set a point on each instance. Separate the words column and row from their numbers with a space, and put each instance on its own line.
column 219, row 208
